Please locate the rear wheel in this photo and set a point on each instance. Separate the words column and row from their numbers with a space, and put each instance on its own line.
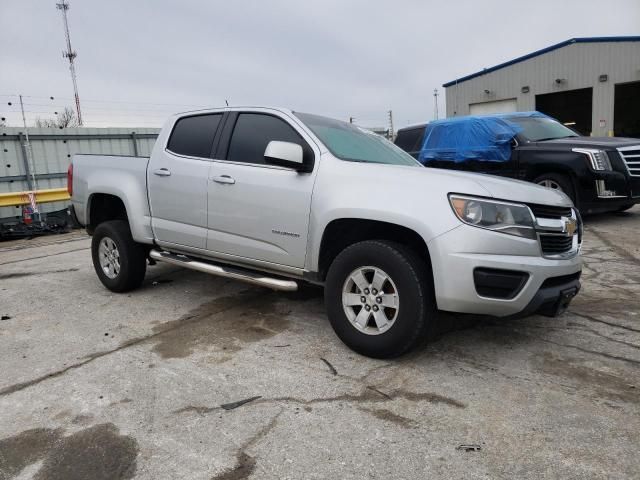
column 379, row 298
column 557, row 181
column 119, row 261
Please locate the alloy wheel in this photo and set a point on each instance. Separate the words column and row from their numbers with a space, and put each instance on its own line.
column 370, row 300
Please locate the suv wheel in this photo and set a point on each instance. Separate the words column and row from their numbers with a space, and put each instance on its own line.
column 557, row 181
column 379, row 298
column 119, row 261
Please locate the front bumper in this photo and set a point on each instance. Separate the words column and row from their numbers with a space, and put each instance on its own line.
column 553, row 297
column 456, row 254
column 607, row 191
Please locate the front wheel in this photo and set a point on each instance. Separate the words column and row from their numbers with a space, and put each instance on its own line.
column 379, row 298
column 557, row 181
column 119, row 261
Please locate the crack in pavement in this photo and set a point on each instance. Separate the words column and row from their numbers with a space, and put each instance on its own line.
column 44, row 256
column 6, row 276
column 369, row 394
column 582, row 349
column 580, row 327
column 245, row 463
column 593, row 319
column 621, row 252
column 42, row 244
column 606, row 337
column 227, row 303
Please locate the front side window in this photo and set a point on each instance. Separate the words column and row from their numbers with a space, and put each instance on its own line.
column 348, row 142
column 254, row 131
column 193, row 136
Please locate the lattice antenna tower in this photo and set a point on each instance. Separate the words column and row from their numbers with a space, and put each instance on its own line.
column 70, row 54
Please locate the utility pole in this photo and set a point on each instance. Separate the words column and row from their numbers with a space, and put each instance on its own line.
column 435, row 104
column 71, row 55
column 390, row 125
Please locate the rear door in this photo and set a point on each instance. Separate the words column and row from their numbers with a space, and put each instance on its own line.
column 177, row 181
column 259, row 213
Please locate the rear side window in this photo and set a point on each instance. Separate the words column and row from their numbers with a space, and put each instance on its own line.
column 193, row 136
column 254, row 131
column 410, row 140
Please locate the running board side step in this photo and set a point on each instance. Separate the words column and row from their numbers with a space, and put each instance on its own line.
column 249, row 276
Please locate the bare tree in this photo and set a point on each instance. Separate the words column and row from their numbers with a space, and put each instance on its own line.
column 65, row 119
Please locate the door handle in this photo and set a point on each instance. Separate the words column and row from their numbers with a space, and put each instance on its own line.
column 226, row 179
column 162, row 172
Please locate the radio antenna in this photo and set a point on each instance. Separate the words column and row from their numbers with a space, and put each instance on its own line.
column 71, row 55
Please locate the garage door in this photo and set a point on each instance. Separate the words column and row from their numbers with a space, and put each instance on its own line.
column 497, row 106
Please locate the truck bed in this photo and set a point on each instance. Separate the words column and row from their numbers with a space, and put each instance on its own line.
column 124, row 176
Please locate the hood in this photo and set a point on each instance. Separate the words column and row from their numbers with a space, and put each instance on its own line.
column 450, row 181
column 592, row 142
column 520, row 191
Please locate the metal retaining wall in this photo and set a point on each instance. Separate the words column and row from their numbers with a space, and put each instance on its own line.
column 51, row 152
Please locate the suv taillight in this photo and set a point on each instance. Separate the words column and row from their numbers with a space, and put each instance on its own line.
column 70, row 179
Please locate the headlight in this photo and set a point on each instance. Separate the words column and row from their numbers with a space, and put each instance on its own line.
column 598, row 159
column 509, row 218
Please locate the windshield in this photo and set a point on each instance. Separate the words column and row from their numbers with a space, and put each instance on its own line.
column 535, row 129
column 351, row 143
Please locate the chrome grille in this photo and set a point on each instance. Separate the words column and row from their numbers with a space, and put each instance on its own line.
column 546, row 211
column 559, row 230
column 631, row 157
column 555, row 244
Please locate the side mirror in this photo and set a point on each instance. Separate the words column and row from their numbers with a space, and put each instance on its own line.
column 285, row 154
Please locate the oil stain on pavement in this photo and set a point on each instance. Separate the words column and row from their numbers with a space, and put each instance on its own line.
column 98, row 452
column 225, row 323
column 602, row 383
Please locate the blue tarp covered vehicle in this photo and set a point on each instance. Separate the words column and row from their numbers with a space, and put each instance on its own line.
column 598, row 174
column 460, row 139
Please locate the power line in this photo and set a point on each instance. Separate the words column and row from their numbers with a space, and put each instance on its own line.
column 85, row 100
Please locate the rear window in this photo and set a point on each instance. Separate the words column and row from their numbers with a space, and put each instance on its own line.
column 410, row 140
column 193, row 136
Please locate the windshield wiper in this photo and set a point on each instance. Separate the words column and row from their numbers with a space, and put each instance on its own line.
column 555, row 138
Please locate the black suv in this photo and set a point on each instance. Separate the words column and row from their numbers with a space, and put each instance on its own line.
column 598, row 174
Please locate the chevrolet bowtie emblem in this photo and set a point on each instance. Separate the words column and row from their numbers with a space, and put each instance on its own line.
column 570, row 226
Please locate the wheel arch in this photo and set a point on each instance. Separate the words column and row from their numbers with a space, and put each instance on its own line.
column 102, row 207
column 342, row 232
column 555, row 169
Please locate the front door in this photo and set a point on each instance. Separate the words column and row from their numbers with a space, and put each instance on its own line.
column 256, row 211
column 177, row 182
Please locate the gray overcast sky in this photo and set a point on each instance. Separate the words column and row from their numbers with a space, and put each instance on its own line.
column 334, row 57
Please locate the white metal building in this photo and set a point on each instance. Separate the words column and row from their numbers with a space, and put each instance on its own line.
column 591, row 84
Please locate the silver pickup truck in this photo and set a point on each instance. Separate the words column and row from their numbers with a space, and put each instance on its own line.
column 275, row 197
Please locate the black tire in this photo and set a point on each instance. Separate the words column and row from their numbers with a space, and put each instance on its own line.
column 563, row 181
column 132, row 256
column 414, row 285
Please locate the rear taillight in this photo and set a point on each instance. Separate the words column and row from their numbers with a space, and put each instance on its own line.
column 70, row 179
